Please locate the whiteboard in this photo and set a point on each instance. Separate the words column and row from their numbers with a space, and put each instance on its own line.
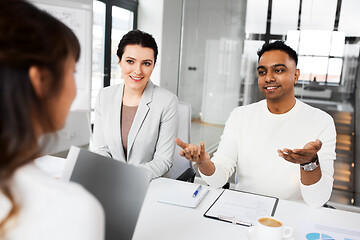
column 78, row 17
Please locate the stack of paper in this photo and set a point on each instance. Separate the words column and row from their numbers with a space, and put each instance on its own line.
column 182, row 195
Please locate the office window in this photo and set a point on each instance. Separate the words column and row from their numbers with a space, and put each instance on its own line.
column 123, row 21
column 98, row 50
column 337, row 44
column 320, row 54
column 318, row 14
column 313, row 67
column 315, row 42
column 256, row 16
column 111, row 20
column 350, row 17
column 293, row 39
column 284, row 9
column 334, row 70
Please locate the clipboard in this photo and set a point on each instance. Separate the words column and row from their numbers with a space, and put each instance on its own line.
column 243, row 208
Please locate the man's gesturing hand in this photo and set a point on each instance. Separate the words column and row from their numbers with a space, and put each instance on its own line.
column 193, row 152
column 301, row 156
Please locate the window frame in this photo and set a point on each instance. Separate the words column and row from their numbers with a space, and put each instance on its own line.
column 131, row 5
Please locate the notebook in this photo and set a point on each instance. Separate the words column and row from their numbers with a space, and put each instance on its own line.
column 182, row 194
column 120, row 188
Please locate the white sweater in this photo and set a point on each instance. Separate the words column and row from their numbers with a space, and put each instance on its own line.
column 51, row 208
column 249, row 145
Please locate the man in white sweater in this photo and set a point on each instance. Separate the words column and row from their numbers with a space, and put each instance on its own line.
column 279, row 146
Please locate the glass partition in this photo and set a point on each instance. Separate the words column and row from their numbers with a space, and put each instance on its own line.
column 315, row 16
column 97, row 51
column 350, row 16
column 284, row 9
column 218, row 67
column 210, row 76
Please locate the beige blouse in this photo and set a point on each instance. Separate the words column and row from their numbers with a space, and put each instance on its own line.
column 127, row 117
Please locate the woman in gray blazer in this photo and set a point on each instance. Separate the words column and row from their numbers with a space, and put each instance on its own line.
column 136, row 122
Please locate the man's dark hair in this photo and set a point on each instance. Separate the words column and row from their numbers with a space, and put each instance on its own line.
column 278, row 45
column 137, row 37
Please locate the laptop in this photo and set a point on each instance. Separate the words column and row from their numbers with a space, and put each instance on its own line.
column 120, row 188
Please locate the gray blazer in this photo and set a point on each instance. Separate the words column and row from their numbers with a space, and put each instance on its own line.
column 151, row 140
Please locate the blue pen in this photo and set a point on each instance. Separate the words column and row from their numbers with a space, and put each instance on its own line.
column 197, row 191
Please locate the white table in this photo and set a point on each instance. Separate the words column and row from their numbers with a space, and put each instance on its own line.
column 164, row 221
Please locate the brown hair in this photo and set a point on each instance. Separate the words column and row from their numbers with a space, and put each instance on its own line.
column 137, row 37
column 28, row 37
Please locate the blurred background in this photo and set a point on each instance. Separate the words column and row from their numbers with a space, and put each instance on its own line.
column 207, row 57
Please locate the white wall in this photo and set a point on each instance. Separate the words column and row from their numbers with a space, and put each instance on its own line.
column 170, row 52
column 77, row 15
column 162, row 19
column 204, row 23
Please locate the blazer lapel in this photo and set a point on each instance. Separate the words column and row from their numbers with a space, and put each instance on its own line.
column 140, row 115
column 116, row 121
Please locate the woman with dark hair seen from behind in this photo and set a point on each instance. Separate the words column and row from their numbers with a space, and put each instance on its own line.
column 38, row 55
column 136, row 122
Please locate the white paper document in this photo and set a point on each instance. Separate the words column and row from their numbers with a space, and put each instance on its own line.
column 241, row 207
column 182, row 195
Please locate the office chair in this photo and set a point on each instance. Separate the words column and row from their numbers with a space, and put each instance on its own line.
column 76, row 132
column 182, row 168
column 326, row 205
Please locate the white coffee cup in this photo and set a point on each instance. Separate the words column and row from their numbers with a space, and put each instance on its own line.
column 271, row 228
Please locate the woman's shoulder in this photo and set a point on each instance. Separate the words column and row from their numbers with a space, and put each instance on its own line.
column 161, row 93
column 163, row 98
column 62, row 208
column 35, row 184
column 111, row 91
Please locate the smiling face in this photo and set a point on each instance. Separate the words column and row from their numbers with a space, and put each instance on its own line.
column 137, row 64
column 277, row 75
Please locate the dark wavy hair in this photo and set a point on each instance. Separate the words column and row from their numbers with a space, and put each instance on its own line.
column 278, row 45
column 28, row 37
column 137, row 37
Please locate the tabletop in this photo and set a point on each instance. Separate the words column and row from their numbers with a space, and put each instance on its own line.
column 164, row 221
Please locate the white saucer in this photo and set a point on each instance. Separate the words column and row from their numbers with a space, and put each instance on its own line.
column 251, row 235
